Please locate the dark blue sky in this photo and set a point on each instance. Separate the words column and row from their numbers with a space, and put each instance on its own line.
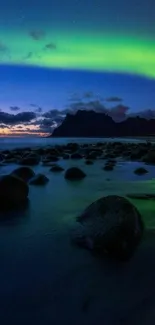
column 54, row 53
column 54, row 88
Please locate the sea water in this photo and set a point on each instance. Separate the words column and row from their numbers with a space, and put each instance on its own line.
column 46, row 280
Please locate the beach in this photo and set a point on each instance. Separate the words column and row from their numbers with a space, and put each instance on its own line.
column 46, row 280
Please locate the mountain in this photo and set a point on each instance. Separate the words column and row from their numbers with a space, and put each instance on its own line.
column 93, row 124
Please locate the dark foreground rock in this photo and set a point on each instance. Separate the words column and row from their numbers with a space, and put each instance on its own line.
column 74, row 173
column 112, row 226
column 13, row 192
column 39, row 179
column 25, row 173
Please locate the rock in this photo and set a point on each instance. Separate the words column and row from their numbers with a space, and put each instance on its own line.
column 53, row 158
column 73, row 147
column 30, row 160
column 89, row 162
column 39, row 179
column 56, row 168
column 76, row 155
column 10, row 161
column 139, row 196
column 138, row 153
column 74, row 173
column 108, row 167
column 25, row 173
column 13, row 192
column 66, row 156
column 47, row 163
column 140, row 171
column 2, row 157
column 112, row 226
column 149, row 157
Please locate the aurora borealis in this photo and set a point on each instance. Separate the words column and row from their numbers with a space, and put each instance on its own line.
column 58, row 46
column 72, row 50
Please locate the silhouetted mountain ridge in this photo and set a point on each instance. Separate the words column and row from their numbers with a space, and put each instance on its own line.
column 93, row 124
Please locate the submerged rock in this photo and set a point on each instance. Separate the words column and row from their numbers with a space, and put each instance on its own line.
column 108, row 167
column 30, row 160
column 66, row 156
column 56, row 168
column 139, row 196
column 52, row 158
column 89, row 162
column 39, row 179
column 76, row 155
column 25, row 173
column 111, row 225
column 13, row 192
column 140, row 171
column 74, row 173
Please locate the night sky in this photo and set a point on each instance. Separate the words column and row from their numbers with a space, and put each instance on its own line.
column 60, row 55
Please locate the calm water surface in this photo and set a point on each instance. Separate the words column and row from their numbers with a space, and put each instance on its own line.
column 45, row 280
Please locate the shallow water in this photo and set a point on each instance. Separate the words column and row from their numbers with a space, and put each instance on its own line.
column 16, row 142
column 45, row 280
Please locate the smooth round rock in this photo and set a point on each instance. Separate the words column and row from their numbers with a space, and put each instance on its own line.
column 112, row 225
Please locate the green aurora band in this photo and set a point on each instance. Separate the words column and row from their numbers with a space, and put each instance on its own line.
column 82, row 51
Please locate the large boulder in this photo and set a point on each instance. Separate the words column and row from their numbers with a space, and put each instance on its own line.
column 30, row 160
column 111, row 225
column 74, row 173
column 13, row 192
column 25, row 173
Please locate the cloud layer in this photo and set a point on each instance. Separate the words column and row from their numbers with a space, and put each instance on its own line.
column 12, row 119
column 37, row 122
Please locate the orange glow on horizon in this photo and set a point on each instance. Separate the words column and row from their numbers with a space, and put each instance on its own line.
column 22, row 131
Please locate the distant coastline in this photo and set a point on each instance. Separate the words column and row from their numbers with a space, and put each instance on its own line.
column 90, row 124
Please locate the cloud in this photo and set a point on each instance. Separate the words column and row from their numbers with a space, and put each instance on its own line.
column 75, row 97
column 3, row 126
column 4, row 51
column 114, row 99
column 11, row 119
column 3, row 48
column 47, row 125
column 50, row 46
column 37, row 35
column 52, row 113
column 14, row 108
column 38, row 110
column 33, row 105
column 28, row 56
column 88, row 94
column 119, row 112
column 95, row 105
